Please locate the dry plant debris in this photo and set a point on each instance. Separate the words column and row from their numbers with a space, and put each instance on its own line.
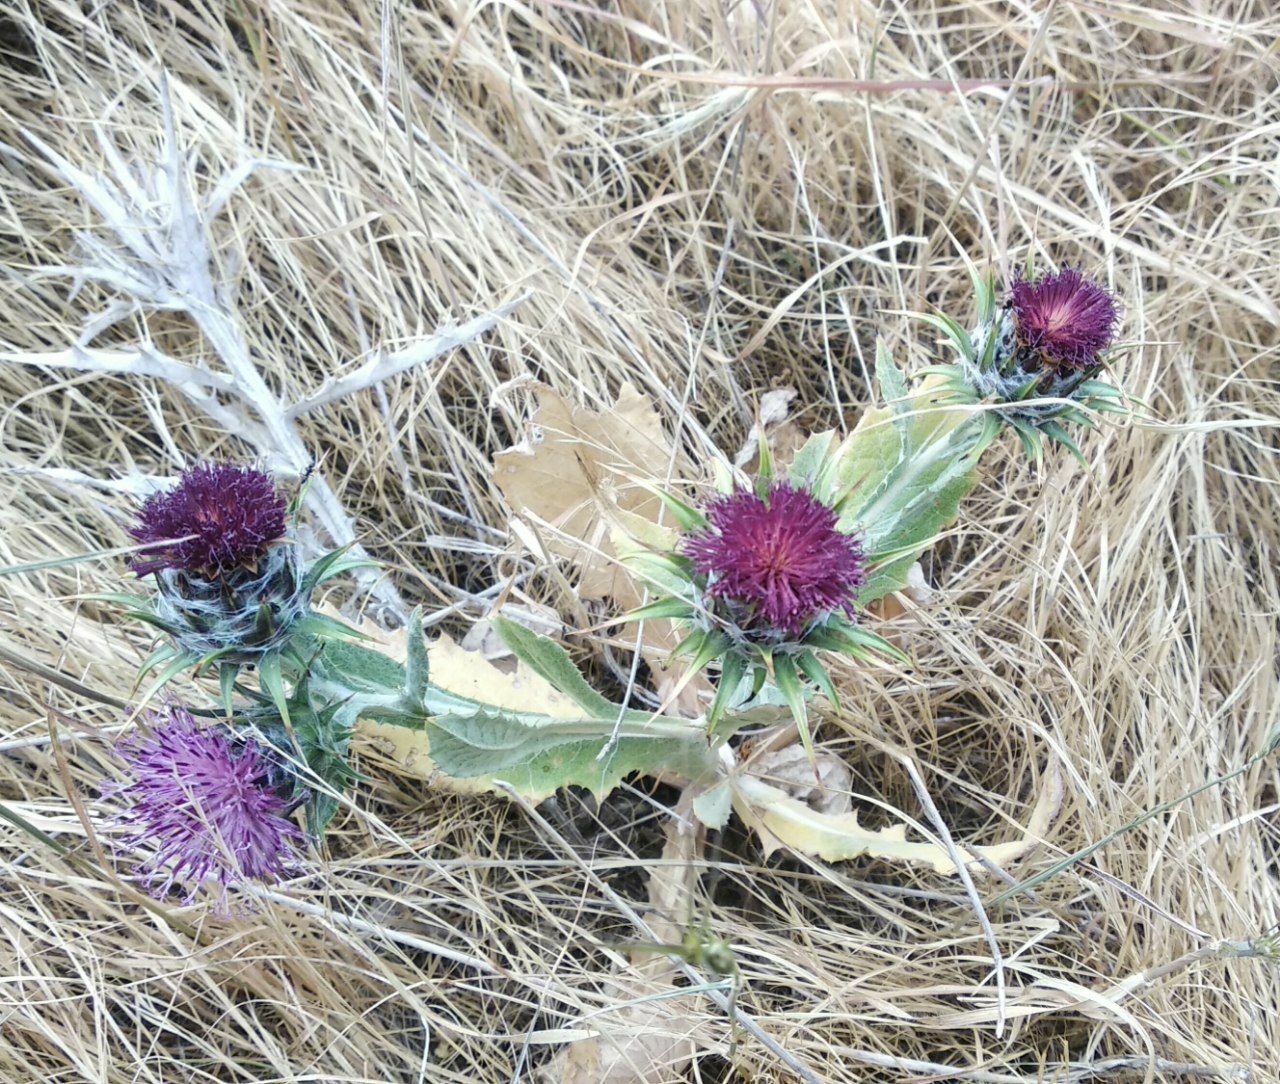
column 583, row 479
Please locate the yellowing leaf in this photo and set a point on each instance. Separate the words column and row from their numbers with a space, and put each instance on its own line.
column 470, row 674
column 406, row 750
column 536, row 728
column 781, row 820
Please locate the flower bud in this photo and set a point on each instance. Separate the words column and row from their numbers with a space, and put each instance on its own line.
column 228, row 579
column 1034, row 358
column 1044, row 342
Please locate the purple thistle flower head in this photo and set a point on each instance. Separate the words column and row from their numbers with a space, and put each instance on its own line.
column 205, row 804
column 219, row 517
column 777, row 560
column 1065, row 318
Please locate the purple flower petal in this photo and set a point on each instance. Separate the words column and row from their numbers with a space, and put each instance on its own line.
column 779, row 557
column 219, row 516
column 202, row 807
column 1066, row 318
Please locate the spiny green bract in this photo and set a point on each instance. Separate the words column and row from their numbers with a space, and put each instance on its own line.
column 1035, row 357
column 229, row 587
column 763, row 580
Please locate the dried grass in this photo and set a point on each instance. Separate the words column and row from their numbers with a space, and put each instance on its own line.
column 709, row 201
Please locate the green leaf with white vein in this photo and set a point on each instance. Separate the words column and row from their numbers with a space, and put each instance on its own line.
column 552, row 663
column 536, row 761
column 900, row 476
column 892, row 380
column 467, row 746
column 435, row 729
column 358, row 669
column 921, row 499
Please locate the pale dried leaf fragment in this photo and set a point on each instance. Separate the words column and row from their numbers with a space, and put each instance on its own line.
column 649, row 1042
column 578, row 474
column 783, row 821
column 772, row 418
column 573, row 472
column 821, row 782
column 483, row 636
column 917, row 589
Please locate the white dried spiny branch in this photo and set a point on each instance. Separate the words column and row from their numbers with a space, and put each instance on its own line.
column 162, row 259
column 385, row 364
column 134, row 483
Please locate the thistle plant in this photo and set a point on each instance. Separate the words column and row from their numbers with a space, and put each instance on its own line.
column 229, row 589
column 229, row 592
column 203, row 807
column 227, row 579
column 764, row 578
column 769, row 580
column 1034, row 357
column 767, row 577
